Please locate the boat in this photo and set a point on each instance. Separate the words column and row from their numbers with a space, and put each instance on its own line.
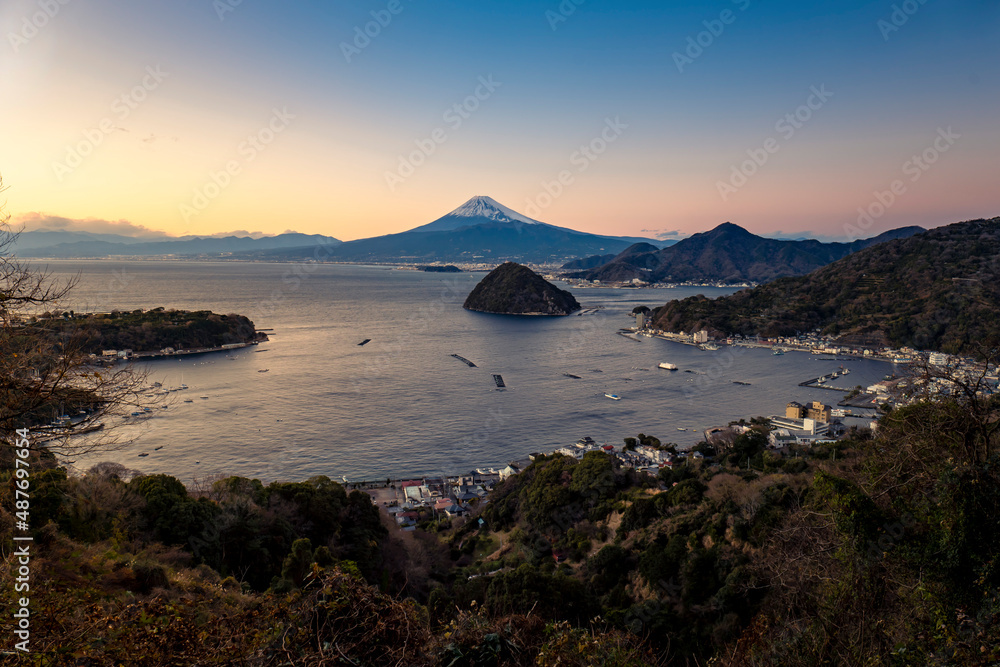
column 189, row 400
column 263, row 370
column 203, row 397
column 681, row 428
column 709, row 347
column 778, row 353
column 668, row 367
column 156, row 449
column 183, row 386
column 613, row 397
column 143, row 454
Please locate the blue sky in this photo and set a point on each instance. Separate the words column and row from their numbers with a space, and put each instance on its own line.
column 359, row 157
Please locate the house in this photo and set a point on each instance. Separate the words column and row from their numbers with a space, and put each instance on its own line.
column 455, row 510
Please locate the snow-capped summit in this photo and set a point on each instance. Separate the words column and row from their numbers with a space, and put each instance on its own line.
column 477, row 211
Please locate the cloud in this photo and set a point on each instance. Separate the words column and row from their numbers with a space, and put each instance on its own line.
column 665, row 234
column 222, row 235
column 804, row 236
column 33, row 222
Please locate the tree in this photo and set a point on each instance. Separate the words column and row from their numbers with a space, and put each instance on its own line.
column 44, row 373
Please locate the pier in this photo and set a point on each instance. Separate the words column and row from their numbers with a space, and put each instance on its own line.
column 628, row 335
column 820, row 382
column 464, row 361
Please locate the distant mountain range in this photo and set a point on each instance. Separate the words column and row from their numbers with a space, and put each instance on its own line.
column 937, row 290
column 479, row 231
column 61, row 244
column 727, row 254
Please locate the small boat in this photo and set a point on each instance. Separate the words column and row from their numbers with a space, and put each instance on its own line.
column 613, row 397
column 203, row 397
column 189, row 400
column 263, row 370
column 778, row 353
column 183, row 386
column 143, row 454
column 156, row 449
column 364, row 342
column 667, row 367
column 681, row 428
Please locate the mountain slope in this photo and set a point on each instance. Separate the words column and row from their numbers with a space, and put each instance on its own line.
column 512, row 289
column 730, row 254
column 938, row 290
column 479, row 231
column 477, row 211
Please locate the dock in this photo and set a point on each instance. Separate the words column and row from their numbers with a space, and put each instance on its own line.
column 464, row 361
column 499, row 380
column 820, row 382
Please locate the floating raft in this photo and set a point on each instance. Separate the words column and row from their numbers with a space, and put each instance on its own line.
column 499, row 380
column 464, row 360
column 364, row 342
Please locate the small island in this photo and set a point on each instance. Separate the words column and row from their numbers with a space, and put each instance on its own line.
column 448, row 268
column 513, row 289
column 147, row 333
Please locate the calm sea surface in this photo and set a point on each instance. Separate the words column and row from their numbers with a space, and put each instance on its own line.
column 401, row 405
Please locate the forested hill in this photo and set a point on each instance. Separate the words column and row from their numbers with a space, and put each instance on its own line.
column 729, row 254
column 144, row 331
column 938, row 290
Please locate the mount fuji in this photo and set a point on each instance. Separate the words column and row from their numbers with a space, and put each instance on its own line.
column 479, row 210
column 480, row 231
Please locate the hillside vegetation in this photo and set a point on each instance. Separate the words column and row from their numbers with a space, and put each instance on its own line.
column 728, row 254
column 939, row 290
column 513, row 289
column 139, row 330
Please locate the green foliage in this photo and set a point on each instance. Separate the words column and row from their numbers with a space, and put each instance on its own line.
column 151, row 330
